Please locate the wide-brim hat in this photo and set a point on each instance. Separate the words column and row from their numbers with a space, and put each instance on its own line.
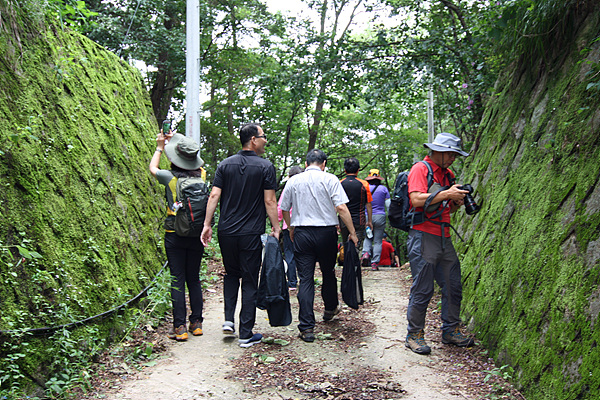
column 184, row 152
column 445, row 142
column 374, row 175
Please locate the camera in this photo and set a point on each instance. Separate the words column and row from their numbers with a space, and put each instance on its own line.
column 166, row 126
column 470, row 206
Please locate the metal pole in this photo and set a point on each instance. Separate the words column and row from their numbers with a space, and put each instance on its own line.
column 430, row 126
column 192, row 72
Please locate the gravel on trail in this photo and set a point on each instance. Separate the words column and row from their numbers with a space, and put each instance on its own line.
column 360, row 354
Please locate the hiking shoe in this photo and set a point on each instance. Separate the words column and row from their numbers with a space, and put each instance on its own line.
column 195, row 328
column 328, row 315
column 416, row 342
column 456, row 338
column 256, row 338
column 366, row 260
column 307, row 335
column 180, row 333
column 228, row 328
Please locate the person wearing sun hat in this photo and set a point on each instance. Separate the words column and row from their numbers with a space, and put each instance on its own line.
column 430, row 250
column 381, row 195
column 184, row 254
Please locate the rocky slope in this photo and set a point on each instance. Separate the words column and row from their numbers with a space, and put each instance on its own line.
column 531, row 256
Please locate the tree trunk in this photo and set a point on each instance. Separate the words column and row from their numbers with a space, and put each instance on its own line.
column 161, row 93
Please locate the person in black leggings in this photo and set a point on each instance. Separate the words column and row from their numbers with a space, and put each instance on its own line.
column 184, row 254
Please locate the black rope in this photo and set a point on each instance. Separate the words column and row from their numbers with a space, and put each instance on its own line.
column 51, row 329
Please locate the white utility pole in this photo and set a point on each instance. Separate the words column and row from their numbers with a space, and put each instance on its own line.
column 430, row 127
column 192, row 70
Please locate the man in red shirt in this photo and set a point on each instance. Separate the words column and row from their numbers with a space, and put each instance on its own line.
column 430, row 250
column 388, row 254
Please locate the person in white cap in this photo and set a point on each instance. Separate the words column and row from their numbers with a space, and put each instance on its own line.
column 430, row 250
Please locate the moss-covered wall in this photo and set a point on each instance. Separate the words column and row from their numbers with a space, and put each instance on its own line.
column 76, row 135
column 531, row 257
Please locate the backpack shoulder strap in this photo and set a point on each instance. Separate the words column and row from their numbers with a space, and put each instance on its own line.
column 429, row 173
column 178, row 184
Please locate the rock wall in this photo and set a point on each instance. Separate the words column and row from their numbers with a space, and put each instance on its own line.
column 531, row 257
column 76, row 197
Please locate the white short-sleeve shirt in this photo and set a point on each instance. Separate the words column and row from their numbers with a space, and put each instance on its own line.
column 314, row 195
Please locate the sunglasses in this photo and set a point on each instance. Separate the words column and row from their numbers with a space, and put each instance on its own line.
column 261, row 136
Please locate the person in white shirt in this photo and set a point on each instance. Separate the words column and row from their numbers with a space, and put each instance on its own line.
column 317, row 197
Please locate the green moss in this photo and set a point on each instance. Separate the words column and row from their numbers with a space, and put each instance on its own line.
column 78, row 133
column 528, row 280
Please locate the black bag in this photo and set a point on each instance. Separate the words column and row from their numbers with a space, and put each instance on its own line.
column 352, row 289
column 273, row 294
column 192, row 197
column 400, row 214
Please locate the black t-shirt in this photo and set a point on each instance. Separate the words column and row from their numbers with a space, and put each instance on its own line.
column 357, row 199
column 243, row 178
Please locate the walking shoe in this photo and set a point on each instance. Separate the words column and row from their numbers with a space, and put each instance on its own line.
column 366, row 260
column 195, row 328
column 256, row 338
column 228, row 328
column 456, row 338
column 328, row 315
column 416, row 342
column 307, row 335
column 179, row 333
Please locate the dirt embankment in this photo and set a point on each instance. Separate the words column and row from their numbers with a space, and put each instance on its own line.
column 359, row 355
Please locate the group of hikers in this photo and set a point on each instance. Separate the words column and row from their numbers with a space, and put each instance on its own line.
column 312, row 206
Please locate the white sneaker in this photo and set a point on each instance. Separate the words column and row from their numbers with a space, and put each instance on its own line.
column 256, row 338
column 228, row 328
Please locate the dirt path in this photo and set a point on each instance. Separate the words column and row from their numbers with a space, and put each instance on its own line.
column 360, row 354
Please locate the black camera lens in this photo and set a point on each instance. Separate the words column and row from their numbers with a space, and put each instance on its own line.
column 471, row 206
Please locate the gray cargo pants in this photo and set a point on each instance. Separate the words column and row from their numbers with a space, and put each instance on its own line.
column 430, row 260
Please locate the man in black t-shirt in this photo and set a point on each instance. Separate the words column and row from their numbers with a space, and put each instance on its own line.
column 359, row 202
column 245, row 184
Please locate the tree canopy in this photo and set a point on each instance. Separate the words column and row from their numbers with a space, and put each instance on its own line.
column 320, row 79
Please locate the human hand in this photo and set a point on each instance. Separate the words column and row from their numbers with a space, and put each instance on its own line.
column 276, row 232
column 206, row 235
column 354, row 238
column 455, row 193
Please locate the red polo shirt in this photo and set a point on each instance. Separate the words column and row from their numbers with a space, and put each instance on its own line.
column 417, row 182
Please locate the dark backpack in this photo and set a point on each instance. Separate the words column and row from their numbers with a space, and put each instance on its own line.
column 192, row 195
column 400, row 214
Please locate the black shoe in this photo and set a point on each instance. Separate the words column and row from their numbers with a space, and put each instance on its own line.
column 307, row 335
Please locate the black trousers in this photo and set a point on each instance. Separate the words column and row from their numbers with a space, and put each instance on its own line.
column 242, row 257
column 185, row 257
column 315, row 244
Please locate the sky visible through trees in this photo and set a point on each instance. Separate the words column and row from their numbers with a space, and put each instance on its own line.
column 348, row 76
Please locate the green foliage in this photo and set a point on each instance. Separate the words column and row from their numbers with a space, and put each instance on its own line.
column 81, row 216
column 72, row 13
column 531, row 262
column 593, row 75
column 537, row 30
